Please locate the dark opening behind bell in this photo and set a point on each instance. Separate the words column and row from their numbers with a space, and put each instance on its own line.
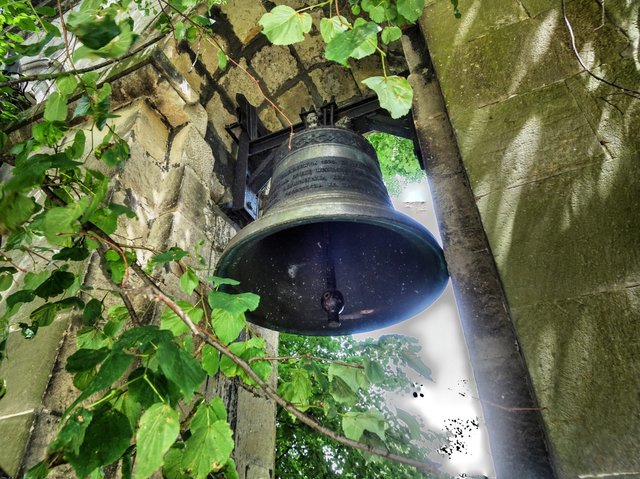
column 330, row 255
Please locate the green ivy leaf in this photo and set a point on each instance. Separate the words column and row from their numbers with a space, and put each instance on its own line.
column 66, row 84
column 106, row 439
column 55, row 108
column 217, row 281
column 354, row 377
column 44, row 315
column 57, row 283
column 189, row 281
column 23, row 296
column 208, row 414
column 180, row 368
column 113, row 367
column 15, row 209
column 106, row 218
column 377, row 9
column 353, row 43
column 297, row 390
column 39, row 471
column 415, row 363
column 390, row 34
column 72, row 253
column 85, row 359
column 72, row 433
column 208, row 449
column 172, row 254
column 222, row 60
column 92, row 312
column 411, row 422
column 210, row 360
column 158, row 430
column 330, row 27
column 6, row 280
column 394, row 93
column 284, row 26
column 374, row 371
column 171, row 321
column 227, row 313
column 355, row 423
column 411, row 9
column 62, row 220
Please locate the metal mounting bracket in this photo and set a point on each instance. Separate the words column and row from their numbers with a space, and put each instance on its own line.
column 256, row 144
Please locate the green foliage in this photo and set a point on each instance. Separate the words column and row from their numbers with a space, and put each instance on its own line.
column 134, row 381
column 397, row 160
column 347, row 391
column 284, row 26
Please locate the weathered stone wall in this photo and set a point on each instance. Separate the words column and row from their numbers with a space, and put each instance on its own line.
column 173, row 105
column 551, row 155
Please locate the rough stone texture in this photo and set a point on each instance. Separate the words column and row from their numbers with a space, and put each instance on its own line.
column 550, row 155
column 294, row 100
column 517, row 442
column 311, row 51
column 190, row 148
column 237, row 81
column 218, row 117
column 26, row 372
column 275, row 65
column 244, row 17
column 335, row 81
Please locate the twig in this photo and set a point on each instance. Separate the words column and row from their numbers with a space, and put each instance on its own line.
column 309, row 356
column 216, row 44
column 628, row 91
column 429, row 466
column 106, row 63
column 4, row 257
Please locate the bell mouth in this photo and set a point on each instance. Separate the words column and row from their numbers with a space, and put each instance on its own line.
column 388, row 267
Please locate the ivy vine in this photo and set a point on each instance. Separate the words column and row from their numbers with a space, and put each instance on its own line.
column 134, row 378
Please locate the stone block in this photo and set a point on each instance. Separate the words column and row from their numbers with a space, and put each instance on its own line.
column 198, row 117
column 138, row 84
column 15, row 433
column 335, row 81
column 311, row 50
column 613, row 116
column 190, row 148
column 191, row 198
column 148, row 131
column 184, row 64
column 255, row 432
column 219, row 117
column 170, row 104
column 478, row 19
column 243, row 17
column 236, row 80
column 517, row 58
column 28, row 367
column 174, row 229
column 275, row 65
column 583, row 355
column 144, row 178
column 567, row 235
column 269, row 118
column 294, row 100
column 525, row 138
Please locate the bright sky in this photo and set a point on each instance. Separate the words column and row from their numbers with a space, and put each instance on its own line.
column 453, row 393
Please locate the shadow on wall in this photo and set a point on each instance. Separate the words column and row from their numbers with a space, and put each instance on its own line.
column 552, row 157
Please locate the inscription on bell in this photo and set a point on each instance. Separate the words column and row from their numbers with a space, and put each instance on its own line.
column 327, row 173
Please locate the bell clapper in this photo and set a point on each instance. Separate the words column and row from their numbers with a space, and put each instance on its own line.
column 331, row 300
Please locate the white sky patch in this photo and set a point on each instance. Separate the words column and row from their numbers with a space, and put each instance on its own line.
column 453, row 393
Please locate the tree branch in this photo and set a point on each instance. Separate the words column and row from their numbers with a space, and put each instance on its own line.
column 272, row 394
column 106, row 63
column 628, row 91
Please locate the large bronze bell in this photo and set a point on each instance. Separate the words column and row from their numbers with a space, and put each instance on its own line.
column 330, row 255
